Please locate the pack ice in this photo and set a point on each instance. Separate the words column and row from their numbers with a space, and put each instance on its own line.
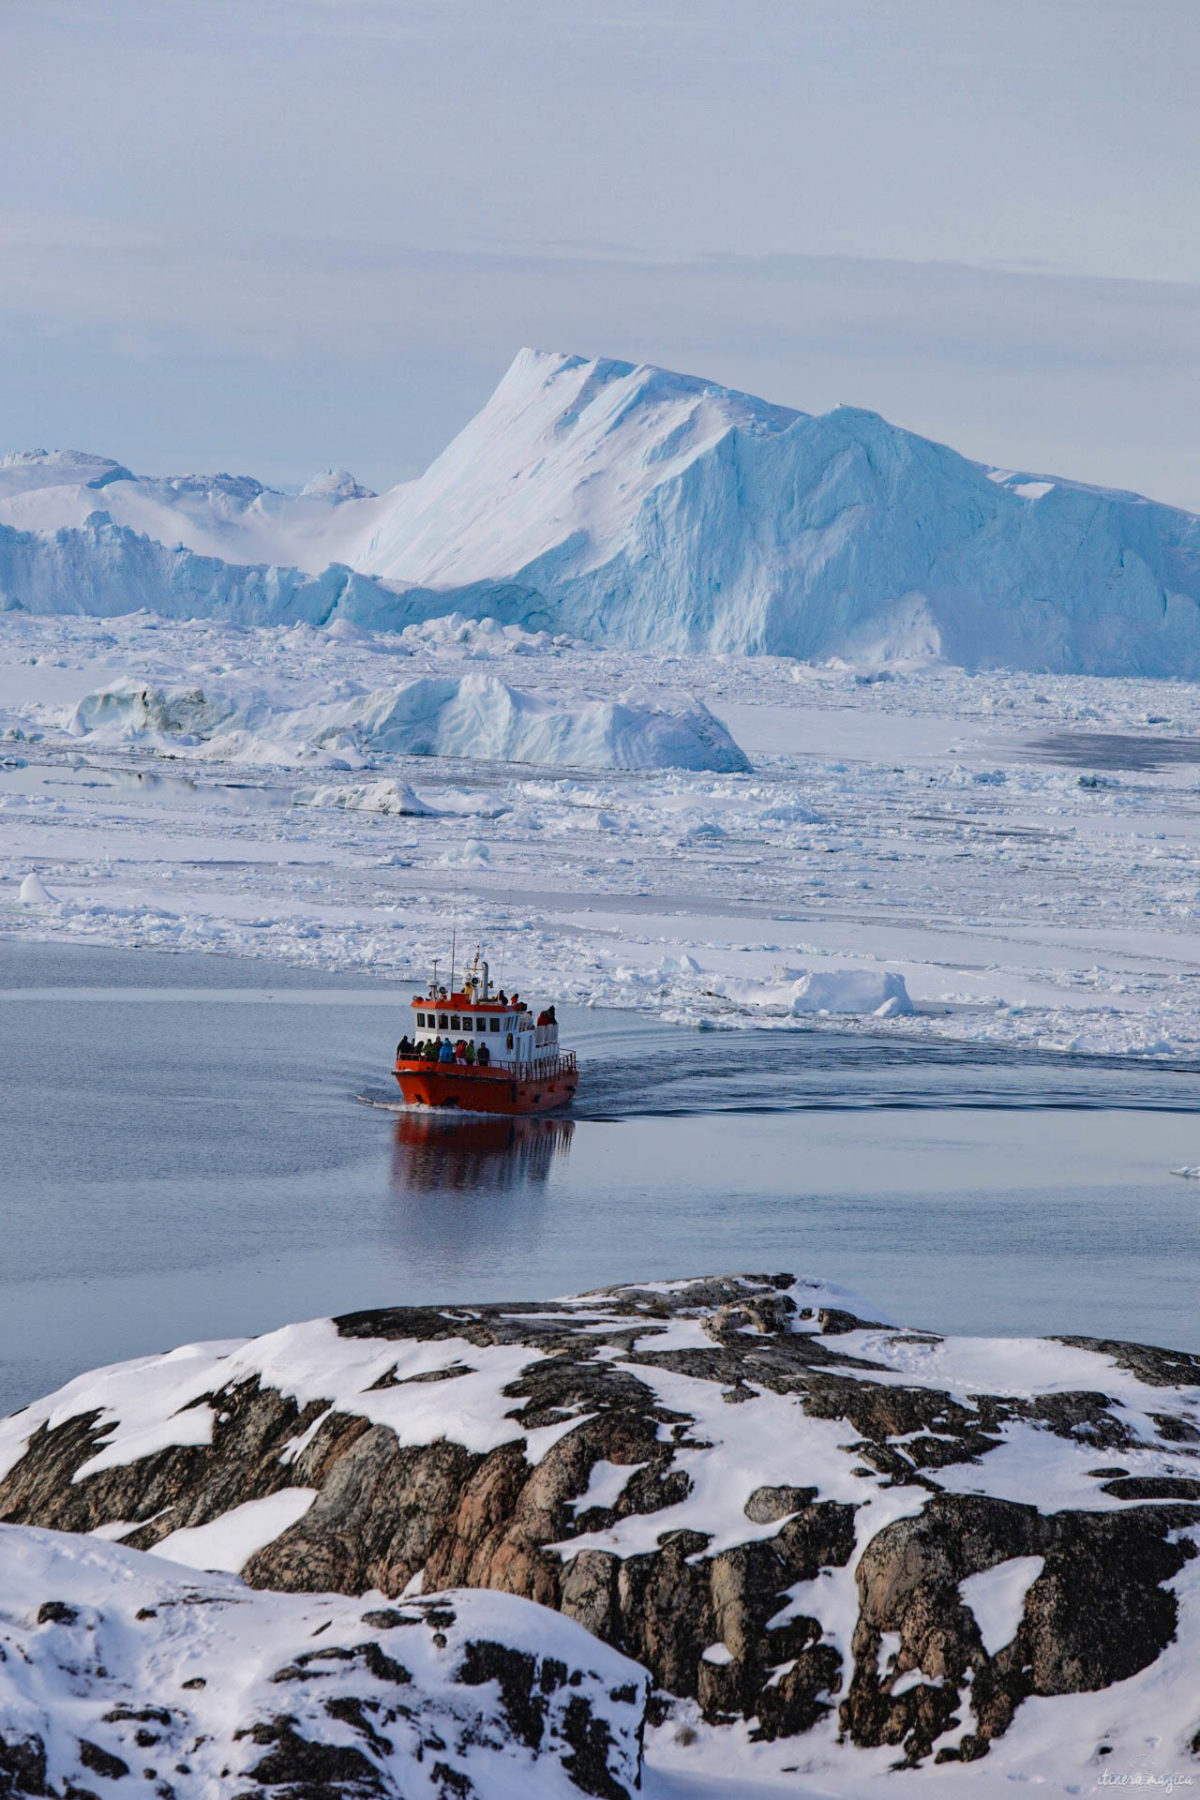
column 626, row 504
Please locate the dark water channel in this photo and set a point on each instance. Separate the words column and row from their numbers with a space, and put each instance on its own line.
column 194, row 1147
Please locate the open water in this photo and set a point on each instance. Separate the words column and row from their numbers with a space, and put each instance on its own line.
column 195, row 1147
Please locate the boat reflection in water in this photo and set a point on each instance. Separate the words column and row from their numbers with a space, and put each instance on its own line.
column 439, row 1152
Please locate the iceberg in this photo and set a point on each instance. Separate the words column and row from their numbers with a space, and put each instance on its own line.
column 475, row 716
column 882, row 992
column 624, row 504
column 656, row 510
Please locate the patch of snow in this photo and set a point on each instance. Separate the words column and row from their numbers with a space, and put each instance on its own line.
column 606, row 1483
column 996, row 1596
column 230, row 1541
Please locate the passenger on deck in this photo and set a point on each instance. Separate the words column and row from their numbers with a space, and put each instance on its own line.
column 432, row 1048
column 446, row 1053
column 502, row 997
column 470, row 1052
column 484, row 1056
column 404, row 1050
column 460, row 1051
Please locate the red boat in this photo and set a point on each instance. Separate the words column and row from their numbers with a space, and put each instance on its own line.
column 483, row 1051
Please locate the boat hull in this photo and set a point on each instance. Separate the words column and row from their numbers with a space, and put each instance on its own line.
column 469, row 1089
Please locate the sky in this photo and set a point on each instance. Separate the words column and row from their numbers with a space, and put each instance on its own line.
column 272, row 238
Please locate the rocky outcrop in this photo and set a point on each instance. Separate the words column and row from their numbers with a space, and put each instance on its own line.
column 1096, row 1613
column 202, row 1687
column 777, row 1507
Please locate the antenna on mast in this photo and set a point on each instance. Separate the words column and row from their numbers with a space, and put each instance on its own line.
column 504, row 935
column 453, row 941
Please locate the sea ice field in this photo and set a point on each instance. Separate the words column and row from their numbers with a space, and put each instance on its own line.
column 1002, row 859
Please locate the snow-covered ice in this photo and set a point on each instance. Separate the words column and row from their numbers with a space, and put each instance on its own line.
column 34, row 891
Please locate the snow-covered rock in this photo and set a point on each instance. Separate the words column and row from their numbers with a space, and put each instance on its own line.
column 116, row 1664
column 626, row 504
column 805, row 1523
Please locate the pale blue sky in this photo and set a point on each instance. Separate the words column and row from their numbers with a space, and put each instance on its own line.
column 267, row 237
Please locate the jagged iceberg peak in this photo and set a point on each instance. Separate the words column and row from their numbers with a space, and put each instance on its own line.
column 638, row 506
column 565, row 451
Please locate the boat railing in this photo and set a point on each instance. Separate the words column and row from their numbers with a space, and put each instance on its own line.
column 545, row 1068
column 517, row 1068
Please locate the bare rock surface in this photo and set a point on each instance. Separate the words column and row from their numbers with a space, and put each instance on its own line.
column 803, row 1522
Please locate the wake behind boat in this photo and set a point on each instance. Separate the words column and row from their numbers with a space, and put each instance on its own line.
column 483, row 1051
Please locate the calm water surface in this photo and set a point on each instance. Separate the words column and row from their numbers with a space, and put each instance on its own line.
column 198, row 1147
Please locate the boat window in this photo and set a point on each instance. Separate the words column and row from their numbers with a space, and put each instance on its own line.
column 421, row 1020
column 443, row 1021
column 510, row 1042
column 481, row 1024
column 494, row 1023
column 454, row 1021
